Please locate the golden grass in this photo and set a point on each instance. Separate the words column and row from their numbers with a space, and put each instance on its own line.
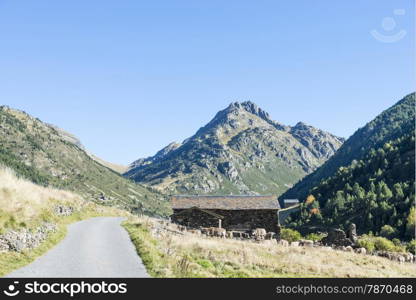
column 24, row 204
column 170, row 255
column 27, row 203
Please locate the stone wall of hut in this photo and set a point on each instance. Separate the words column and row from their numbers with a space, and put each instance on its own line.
column 233, row 219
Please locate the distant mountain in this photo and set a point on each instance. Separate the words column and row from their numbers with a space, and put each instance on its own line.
column 391, row 124
column 69, row 137
column 158, row 156
column 241, row 151
column 120, row 169
column 48, row 155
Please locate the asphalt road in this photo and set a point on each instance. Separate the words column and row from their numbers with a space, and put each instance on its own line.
column 98, row 247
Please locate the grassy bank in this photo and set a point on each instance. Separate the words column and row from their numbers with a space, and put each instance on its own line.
column 26, row 205
column 166, row 254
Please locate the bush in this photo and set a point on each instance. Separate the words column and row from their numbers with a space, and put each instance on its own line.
column 396, row 242
column 379, row 243
column 411, row 246
column 384, row 244
column 366, row 242
column 290, row 235
column 387, row 231
column 316, row 237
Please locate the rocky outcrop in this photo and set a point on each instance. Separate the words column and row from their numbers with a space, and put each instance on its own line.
column 337, row 237
column 320, row 143
column 18, row 241
column 352, row 233
column 227, row 168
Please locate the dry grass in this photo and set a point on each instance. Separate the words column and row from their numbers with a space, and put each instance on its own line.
column 171, row 255
column 23, row 203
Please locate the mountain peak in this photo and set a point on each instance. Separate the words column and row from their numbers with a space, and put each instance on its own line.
column 240, row 143
column 250, row 107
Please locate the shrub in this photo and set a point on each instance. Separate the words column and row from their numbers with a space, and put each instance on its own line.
column 366, row 242
column 290, row 235
column 316, row 237
column 411, row 246
column 384, row 244
column 396, row 242
column 379, row 243
column 387, row 231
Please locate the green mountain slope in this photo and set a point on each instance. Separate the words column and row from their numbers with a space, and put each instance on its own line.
column 393, row 123
column 41, row 153
column 377, row 191
column 241, row 151
column 374, row 192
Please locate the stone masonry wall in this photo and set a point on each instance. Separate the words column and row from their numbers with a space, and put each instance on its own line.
column 233, row 219
column 25, row 239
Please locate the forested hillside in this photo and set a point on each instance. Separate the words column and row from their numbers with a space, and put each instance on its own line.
column 395, row 122
column 376, row 193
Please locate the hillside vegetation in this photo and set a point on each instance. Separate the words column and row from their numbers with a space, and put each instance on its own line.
column 50, row 157
column 373, row 193
column 241, row 151
column 394, row 123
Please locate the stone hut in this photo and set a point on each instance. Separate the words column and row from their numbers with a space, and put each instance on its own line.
column 230, row 212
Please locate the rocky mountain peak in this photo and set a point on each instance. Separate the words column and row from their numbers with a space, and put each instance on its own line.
column 249, row 107
column 255, row 110
column 230, row 154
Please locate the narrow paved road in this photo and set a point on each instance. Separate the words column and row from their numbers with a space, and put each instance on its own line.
column 97, row 247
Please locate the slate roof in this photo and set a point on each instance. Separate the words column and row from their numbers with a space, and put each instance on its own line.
column 225, row 202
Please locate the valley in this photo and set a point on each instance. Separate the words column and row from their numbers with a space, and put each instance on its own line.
column 49, row 181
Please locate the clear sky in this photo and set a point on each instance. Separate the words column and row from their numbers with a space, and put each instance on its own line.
column 129, row 77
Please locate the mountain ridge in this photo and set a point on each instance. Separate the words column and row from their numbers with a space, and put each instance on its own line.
column 40, row 153
column 234, row 145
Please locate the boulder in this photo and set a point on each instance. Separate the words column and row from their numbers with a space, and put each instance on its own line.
column 400, row 258
column 219, row 232
column 270, row 235
column 352, row 233
column 283, row 243
column 306, row 243
column 259, row 233
column 361, row 251
column 337, row 237
column 409, row 257
column 349, row 249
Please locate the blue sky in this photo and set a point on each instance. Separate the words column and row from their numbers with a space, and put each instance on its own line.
column 129, row 77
